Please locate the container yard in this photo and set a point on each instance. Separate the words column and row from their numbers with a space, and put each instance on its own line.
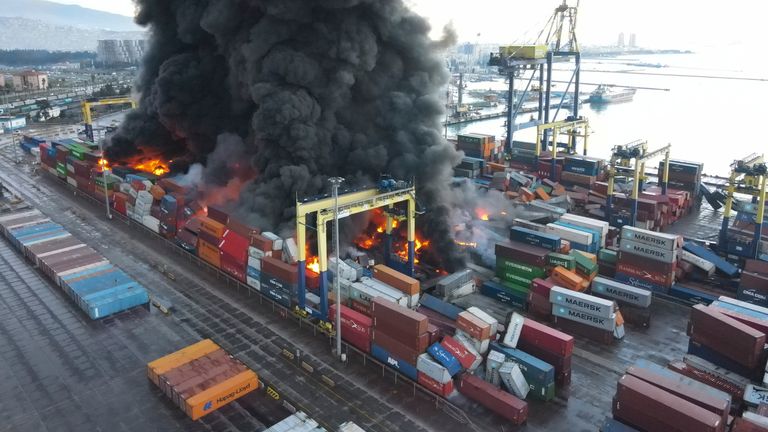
column 183, row 274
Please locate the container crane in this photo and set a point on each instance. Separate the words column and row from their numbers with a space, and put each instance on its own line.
column 748, row 176
column 88, row 104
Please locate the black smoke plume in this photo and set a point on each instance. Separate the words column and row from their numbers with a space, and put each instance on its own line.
column 313, row 88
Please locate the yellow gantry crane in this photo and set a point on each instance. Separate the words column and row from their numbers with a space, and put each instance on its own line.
column 578, row 128
column 387, row 195
column 88, row 104
column 621, row 160
column 748, row 176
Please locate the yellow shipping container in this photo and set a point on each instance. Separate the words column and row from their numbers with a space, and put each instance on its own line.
column 221, row 394
column 178, row 358
column 524, row 51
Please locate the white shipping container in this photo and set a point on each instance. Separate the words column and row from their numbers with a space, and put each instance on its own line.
column 590, row 223
column 277, row 242
column 699, row 262
column 466, row 342
column 257, row 253
column 350, row 427
column 659, row 240
column 514, row 328
column 152, row 223
column 493, row 363
column 592, row 305
column 513, row 379
column 652, row 252
column 618, row 332
column 298, row 422
column 144, row 197
column 570, row 234
column 398, row 296
column 462, row 291
column 481, row 346
column 485, row 318
column 366, row 294
column 71, row 181
column 608, row 324
column 290, row 251
column 254, row 262
column 429, row 367
column 254, row 283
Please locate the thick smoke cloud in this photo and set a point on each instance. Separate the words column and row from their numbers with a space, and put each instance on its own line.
column 312, row 89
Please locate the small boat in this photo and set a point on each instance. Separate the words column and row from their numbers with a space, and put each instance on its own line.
column 604, row 94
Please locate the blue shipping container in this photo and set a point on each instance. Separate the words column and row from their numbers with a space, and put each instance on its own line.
column 691, row 295
column 445, row 358
column 441, row 307
column 539, row 374
column 535, row 238
column 253, row 273
column 277, row 294
column 721, row 264
column 496, row 291
column 399, row 365
column 118, row 301
column 639, row 283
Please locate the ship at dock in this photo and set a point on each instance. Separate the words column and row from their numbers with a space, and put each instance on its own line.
column 605, row 94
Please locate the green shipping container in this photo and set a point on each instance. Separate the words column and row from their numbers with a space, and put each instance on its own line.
column 608, row 256
column 584, row 265
column 515, row 288
column 520, row 269
column 556, row 259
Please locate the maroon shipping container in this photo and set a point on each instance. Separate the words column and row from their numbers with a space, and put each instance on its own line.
column 447, row 325
column 741, row 425
column 646, row 263
column 755, row 323
column 231, row 266
column 721, row 407
column 651, row 408
column 754, row 281
column 443, row 390
column 361, row 307
column 398, row 320
column 242, row 228
column 727, row 336
column 408, row 354
column 356, row 328
column 583, row 330
column 542, row 287
column 193, row 224
column 261, row 243
column 546, row 338
column 283, row 271
column 218, row 214
column 458, row 350
column 648, row 274
column 521, row 252
column 718, row 382
column 435, row 334
column 495, row 399
column 756, row 266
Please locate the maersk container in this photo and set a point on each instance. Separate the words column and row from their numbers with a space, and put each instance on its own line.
column 426, row 365
column 608, row 324
column 534, row 238
column 652, row 252
column 582, row 302
column 444, row 308
column 539, row 375
column 445, row 358
column 621, row 292
column 399, row 365
column 664, row 241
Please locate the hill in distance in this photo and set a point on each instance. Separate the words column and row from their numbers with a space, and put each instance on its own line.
column 67, row 15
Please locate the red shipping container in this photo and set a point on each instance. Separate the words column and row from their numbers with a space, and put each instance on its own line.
column 727, row 336
column 473, row 326
column 495, row 399
column 360, row 307
column 546, row 338
column 408, row 354
column 647, row 274
column 648, row 407
column 231, row 266
column 218, row 214
column 741, row 425
column 356, row 328
column 312, row 280
column 234, row 245
column 399, row 320
column 261, row 243
column 755, row 323
column 458, row 350
column 542, row 287
column 283, row 271
column 443, row 390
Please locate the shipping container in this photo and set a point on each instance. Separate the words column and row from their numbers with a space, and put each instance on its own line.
column 731, row 338
column 539, row 375
column 445, row 358
column 356, row 328
column 621, row 292
column 459, row 351
column 398, row 319
column 547, row 338
column 443, row 390
column 654, row 253
column 577, row 301
column 178, row 358
column 533, row 238
column 523, row 253
column 473, row 326
column 444, row 308
column 659, row 240
column 513, row 379
column 501, row 293
column 425, row 364
column 640, row 283
column 496, row 400
column 408, row 351
column 602, row 323
column 400, row 365
column 399, row 281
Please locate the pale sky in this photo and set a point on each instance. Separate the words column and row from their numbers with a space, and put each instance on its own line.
column 657, row 23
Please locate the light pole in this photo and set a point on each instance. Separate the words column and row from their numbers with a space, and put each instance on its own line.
column 335, row 183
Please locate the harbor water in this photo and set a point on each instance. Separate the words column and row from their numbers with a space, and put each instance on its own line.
column 709, row 107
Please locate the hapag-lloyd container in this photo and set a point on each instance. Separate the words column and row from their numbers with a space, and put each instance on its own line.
column 621, row 292
column 652, row 252
column 602, row 323
column 577, row 301
column 496, row 400
column 426, row 365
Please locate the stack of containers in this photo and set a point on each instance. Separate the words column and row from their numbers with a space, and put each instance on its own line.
column 469, row 167
column 436, row 368
column 169, row 212
column 403, row 283
column 648, row 259
column 277, row 244
column 539, row 375
column 580, row 238
column 234, row 254
column 684, row 175
column 400, row 335
column 538, row 299
column 493, row 398
column 259, row 248
column 517, row 265
column 586, row 315
column 550, row 345
column 474, row 331
column 202, row 378
column 361, row 294
column 478, row 146
column 96, row 286
column 753, row 287
column 279, row 280
column 466, row 355
column 726, row 342
column 634, row 302
column 208, row 240
column 186, row 237
column 581, row 170
column 142, row 206
column 356, row 328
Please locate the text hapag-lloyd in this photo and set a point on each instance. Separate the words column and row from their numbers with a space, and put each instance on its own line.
column 231, row 395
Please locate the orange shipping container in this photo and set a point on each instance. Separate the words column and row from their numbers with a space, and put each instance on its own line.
column 397, row 280
column 212, row 227
column 591, row 257
column 567, row 279
column 221, row 394
column 473, row 326
column 209, row 253
column 179, row 358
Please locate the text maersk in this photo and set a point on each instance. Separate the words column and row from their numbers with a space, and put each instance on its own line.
column 648, row 251
column 583, row 305
column 649, row 239
column 623, row 294
column 586, row 317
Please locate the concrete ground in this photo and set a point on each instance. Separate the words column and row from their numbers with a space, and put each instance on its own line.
column 310, row 379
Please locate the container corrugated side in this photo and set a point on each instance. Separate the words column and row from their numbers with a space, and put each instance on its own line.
column 183, row 356
column 221, row 394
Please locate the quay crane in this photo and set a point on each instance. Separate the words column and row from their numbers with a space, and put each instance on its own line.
column 88, row 104
column 748, row 176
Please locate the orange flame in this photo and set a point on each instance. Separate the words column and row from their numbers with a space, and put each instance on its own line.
column 466, row 244
column 104, row 164
column 313, row 263
column 154, row 166
column 482, row 214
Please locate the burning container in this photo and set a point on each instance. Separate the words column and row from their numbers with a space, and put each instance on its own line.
column 202, row 378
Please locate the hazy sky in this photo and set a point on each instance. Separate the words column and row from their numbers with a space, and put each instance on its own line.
column 658, row 23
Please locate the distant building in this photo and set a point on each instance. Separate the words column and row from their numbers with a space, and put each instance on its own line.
column 120, row 52
column 11, row 123
column 30, row 80
column 632, row 40
column 620, row 44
